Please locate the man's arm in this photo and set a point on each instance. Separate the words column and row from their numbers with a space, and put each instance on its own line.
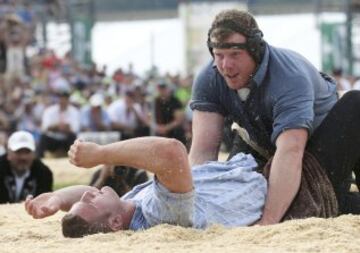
column 117, row 126
column 207, row 132
column 49, row 203
column 166, row 158
column 285, row 174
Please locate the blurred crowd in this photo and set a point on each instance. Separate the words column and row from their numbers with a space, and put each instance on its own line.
column 47, row 101
column 344, row 82
column 57, row 99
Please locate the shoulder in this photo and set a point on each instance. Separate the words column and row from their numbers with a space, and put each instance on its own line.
column 174, row 100
column 3, row 158
column 40, row 167
column 4, row 164
column 51, row 109
column 208, row 81
column 290, row 73
column 119, row 103
column 289, row 63
column 206, row 74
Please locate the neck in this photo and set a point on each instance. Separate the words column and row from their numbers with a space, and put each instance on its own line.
column 128, row 213
column 63, row 107
column 19, row 173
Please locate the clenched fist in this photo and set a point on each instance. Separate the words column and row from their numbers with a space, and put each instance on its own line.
column 85, row 154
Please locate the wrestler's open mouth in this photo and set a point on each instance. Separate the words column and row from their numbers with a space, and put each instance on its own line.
column 232, row 76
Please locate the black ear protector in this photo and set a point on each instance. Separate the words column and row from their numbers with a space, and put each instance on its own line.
column 254, row 44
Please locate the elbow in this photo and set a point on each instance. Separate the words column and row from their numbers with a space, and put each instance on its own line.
column 173, row 153
column 173, row 148
column 296, row 148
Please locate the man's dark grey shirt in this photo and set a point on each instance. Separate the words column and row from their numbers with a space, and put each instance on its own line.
column 287, row 92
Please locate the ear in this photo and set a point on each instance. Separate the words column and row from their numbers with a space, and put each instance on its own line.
column 115, row 222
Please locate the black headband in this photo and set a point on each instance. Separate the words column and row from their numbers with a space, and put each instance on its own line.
column 254, row 43
column 225, row 45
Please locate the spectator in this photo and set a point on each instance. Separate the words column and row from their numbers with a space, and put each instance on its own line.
column 21, row 173
column 16, row 39
column 343, row 85
column 26, row 119
column 125, row 115
column 169, row 114
column 60, row 124
column 94, row 117
column 143, row 128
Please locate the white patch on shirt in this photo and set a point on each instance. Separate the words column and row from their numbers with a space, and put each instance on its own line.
column 243, row 93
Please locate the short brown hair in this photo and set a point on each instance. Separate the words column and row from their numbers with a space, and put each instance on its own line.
column 74, row 226
column 232, row 21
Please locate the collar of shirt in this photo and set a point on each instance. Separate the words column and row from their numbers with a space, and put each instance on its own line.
column 138, row 221
column 19, row 183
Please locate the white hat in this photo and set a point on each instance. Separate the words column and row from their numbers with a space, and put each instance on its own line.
column 61, row 86
column 21, row 139
column 96, row 100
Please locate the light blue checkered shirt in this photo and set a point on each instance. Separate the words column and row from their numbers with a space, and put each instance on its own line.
column 230, row 193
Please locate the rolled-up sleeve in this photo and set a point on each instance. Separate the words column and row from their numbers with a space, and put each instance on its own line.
column 162, row 206
column 206, row 92
column 294, row 107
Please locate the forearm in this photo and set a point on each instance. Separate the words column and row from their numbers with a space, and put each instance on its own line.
column 72, row 194
column 157, row 155
column 101, row 127
column 142, row 118
column 173, row 124
column 52, row 128
column 199, row 156
column 178, row 121
column 166, row 158
column 120, row 127
column 153, row 154
column 207, row 132
column 284, row 183
column 285, row 174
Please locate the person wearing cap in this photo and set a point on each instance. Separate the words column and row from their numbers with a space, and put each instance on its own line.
column 16, row 38
column 284, row 107
column 126, row 115
column 93, row 116
column 59, row 125
column 21, row 173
